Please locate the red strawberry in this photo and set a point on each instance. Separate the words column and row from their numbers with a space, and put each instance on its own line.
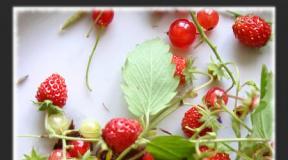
column 217, row 156
column 147, row 156
column 78, row 148
column 120, row 133
column 53, row 89
column 180, row 63
column 192, row 120
column 252, row 31
column 215, row 95
column 57, row 155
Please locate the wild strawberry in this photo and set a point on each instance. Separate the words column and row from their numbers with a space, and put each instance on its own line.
column 147, row 156
column 105, row 18
column 120, row 133
column 192, row 120
column 215, row 95
column 252, row 31
column 53, row 89
column 180, row 63
column 216, row 156
column 78, row 148
column 57, row 154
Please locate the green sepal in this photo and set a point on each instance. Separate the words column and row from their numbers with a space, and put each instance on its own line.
column 47, row 105
column 216, row 70
column 210, row 119
column 189, row 70
column 34, row 156
column 88, row 156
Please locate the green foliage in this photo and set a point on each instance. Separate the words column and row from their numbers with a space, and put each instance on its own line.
column 262, row 117
column 171, row 148
column 149, row 83
column 34, row 156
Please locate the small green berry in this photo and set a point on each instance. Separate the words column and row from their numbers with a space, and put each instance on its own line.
column 90, row 129
column 59, row 122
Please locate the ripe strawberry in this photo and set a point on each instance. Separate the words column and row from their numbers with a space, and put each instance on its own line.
column 120, row 133
column 147, row 156
column 79, row 148
column 180, row 63
column 217, row 156
column 57, row 155
column 215, row 95
column 192, row 119
column 53, row 89
column 252, row 31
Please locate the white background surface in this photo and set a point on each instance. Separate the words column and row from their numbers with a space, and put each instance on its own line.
column 40, row 51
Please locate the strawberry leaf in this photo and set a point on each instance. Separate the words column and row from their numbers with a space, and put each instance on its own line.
column 149, row 83
column 262, row 117
column 34, row 156
column 171, row 148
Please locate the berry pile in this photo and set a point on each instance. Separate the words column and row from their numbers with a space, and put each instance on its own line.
column 137, row 139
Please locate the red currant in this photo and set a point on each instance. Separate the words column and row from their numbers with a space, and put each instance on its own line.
column 208, row 18
column 182, row 33
column 78, row 148
column 105, row 19
column 57, row 155
column 147, row 156
column 215, row 95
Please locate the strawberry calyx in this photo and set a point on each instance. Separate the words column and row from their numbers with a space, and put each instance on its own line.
column 189, row 70
column 34, row 155
column 47, row 105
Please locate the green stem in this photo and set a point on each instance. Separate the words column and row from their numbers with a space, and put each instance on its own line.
column 125, row 152
column 228, row 140
column 59, row 137
column 235, row 14
column 236, row 118
column 138, row 155
column 64, row 148
column 239, row 154
column 93, row 24
column 205, row 84
column 90, row 58
column 212, row 46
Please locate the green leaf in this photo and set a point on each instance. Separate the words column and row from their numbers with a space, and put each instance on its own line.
column 216, row 70
column 34, row 156
column 189, row 70
column 262, row 117
column 171, row 148
column 149, row 83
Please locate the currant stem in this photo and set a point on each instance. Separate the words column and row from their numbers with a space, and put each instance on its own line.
column 64, row 148
column 236, row 118
column 90, row 58
column 234, row 14
column 240, row 154
column 93, row 24
column 205, row 84
column 236, row 97
column 229, row 140
column 212, row 46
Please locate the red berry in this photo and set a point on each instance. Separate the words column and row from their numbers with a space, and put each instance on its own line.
column 79, row 148
column 147, row 156
column 208, row 18
column 57, row 155
column 120, row 133
column 180, row 63
column 251, row 31
column 215, row 95
column 217, row 156
column 192, row 119
column 182, row 33
column 53, row 89
column 105, row 19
